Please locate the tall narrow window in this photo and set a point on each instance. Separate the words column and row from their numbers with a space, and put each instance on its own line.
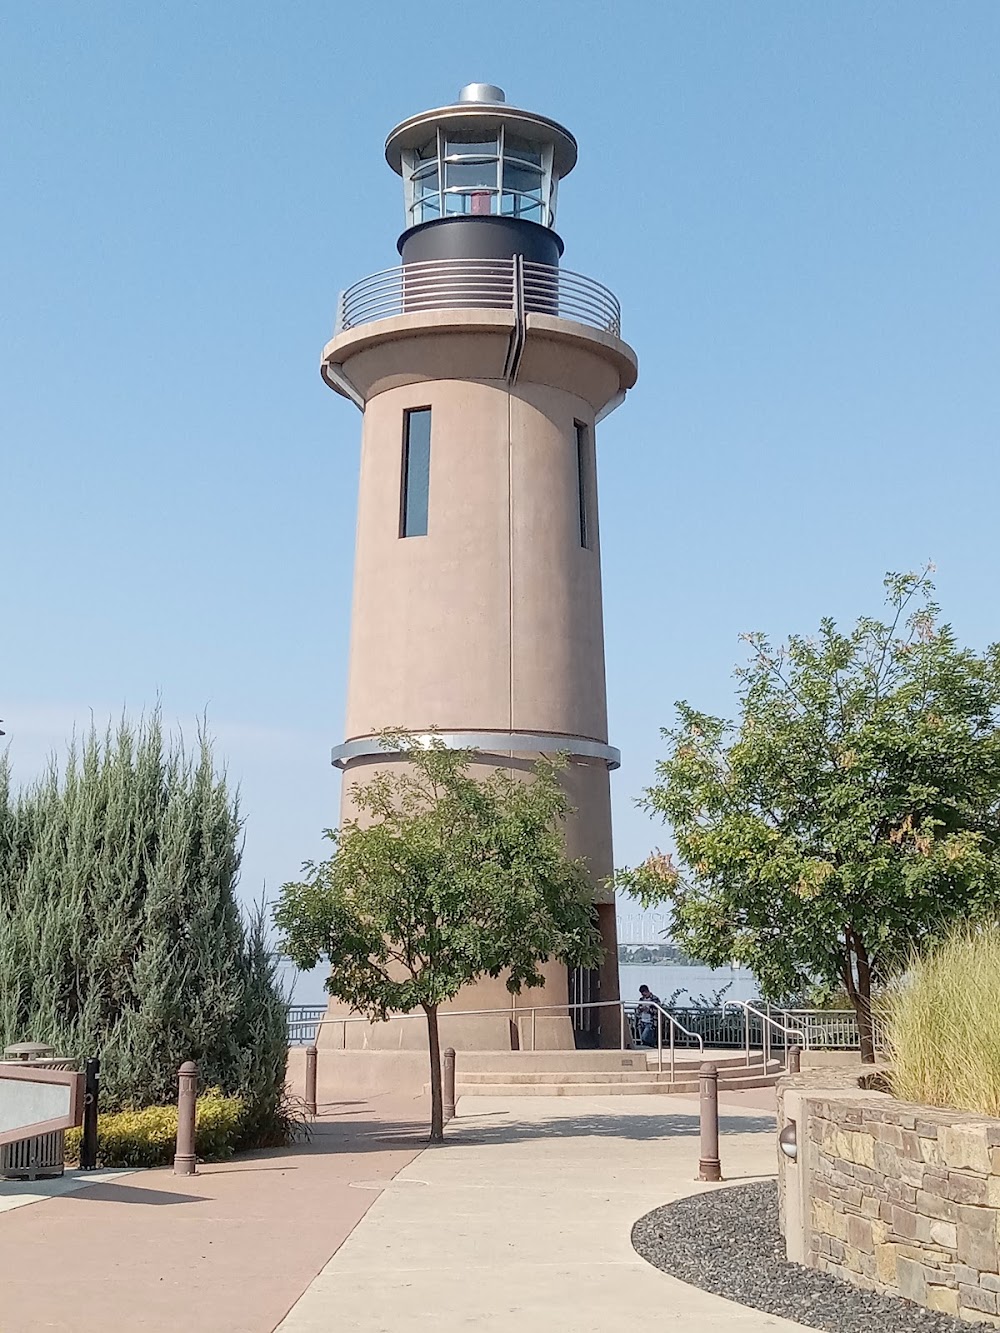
column 416, row 472
column 583, row 480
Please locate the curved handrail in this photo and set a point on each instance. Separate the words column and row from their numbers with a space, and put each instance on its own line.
column 674, row 1025
column 492, row 284
column 674, row 1022
column 769, row 1022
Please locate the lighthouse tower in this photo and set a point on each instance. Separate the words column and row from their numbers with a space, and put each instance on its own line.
column 483, row 368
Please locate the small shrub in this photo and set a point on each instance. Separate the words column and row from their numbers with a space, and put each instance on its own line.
column 147, row 1137
column 942, row 1024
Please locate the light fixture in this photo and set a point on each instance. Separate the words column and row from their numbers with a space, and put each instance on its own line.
column 788, row 1141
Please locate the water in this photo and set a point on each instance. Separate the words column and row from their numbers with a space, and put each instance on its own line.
column 662, row 979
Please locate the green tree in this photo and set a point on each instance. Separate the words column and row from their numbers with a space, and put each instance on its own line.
column 850, row 815
column 441, row 879
column 120, row 932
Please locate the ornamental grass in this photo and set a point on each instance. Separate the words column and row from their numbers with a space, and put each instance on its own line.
column 943, row 1024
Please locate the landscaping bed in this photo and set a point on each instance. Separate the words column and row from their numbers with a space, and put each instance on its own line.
column 727, row 1242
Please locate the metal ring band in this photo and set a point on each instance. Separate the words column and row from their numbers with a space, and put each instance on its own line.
column 503, row 741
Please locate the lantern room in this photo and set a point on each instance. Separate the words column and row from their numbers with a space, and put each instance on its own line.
column 480, row 160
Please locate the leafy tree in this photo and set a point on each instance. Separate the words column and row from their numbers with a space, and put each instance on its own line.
column 441, row 879
column 849, row 816
column 120, row 932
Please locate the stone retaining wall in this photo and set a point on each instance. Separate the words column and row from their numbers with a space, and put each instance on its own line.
column 893, row 1196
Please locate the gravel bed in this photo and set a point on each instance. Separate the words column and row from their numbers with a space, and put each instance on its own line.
column 727, row 1242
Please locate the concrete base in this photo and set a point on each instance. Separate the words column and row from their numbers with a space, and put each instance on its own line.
column 346, row 1076
column 465, row 1032
column 831, row 1059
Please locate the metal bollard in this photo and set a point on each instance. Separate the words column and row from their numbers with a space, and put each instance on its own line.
column 187, row 1096
column 709, row 1166
column 449, row 1083
column 794, row 1059
column 311, row 1055
column 91, row 1094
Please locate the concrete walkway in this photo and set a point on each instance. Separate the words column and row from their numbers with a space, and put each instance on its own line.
column 226, row 1251
column 522, row 1221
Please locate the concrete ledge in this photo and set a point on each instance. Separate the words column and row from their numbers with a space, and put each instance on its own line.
column 473, row 344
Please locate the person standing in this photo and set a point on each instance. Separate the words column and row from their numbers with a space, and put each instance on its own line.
column 648, row 1014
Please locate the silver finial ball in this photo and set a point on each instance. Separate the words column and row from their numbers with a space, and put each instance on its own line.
column 481, row 92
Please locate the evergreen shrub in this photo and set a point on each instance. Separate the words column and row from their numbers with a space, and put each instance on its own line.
column 121, row 935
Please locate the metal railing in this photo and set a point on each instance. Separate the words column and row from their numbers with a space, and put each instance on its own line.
column 769, row 1024
column 490, row 284
column 718, row 1029
column 735, row 1025
column 631, row 1011
column 833, row 1029
column 302, row 1021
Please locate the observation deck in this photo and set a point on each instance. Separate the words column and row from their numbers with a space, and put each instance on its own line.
column 485, row 284
column 499, row 318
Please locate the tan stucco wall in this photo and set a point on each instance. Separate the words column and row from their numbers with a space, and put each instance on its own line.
column 492, row 621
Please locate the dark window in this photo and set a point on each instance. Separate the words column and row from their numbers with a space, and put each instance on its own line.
column 583, row 481
column 416, row 472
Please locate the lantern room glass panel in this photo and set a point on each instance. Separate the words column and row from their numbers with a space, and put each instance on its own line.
column 467, row 174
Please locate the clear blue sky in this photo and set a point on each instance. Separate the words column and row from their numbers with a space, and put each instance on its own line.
column 797, row 204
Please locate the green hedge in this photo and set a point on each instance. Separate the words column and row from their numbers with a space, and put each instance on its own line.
column 147, row 1137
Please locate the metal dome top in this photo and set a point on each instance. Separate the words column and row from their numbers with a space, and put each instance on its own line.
column 481, row 92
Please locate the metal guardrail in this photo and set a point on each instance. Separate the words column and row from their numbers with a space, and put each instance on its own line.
column 303, row 1022
column 769, row 1027
column 718, row 1029
column 833, row 1029
column 490, row 284
column 693, row 1027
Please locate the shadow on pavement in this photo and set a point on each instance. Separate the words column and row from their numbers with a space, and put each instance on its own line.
column 109, row 1192
column 643, row 1128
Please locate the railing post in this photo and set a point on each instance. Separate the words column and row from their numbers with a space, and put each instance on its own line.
column 449, row 1083
column 91, row 1093
column 311, row 1058
column 794, row 1064
column 533, row 1012
column 746, row 1032
column 622, row 1003
column 709, row 1166
column 187, row 1096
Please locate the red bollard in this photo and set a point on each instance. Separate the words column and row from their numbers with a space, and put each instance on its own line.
column 449, row 1084
column 187, row 1097
column 311, row 1056
column 709, row 1166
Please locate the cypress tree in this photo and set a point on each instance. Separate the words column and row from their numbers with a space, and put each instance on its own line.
column 120, row 932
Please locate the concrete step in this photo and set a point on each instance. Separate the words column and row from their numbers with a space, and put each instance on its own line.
column 646, row 1087
column 599, row 1077
column 616, row 1061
